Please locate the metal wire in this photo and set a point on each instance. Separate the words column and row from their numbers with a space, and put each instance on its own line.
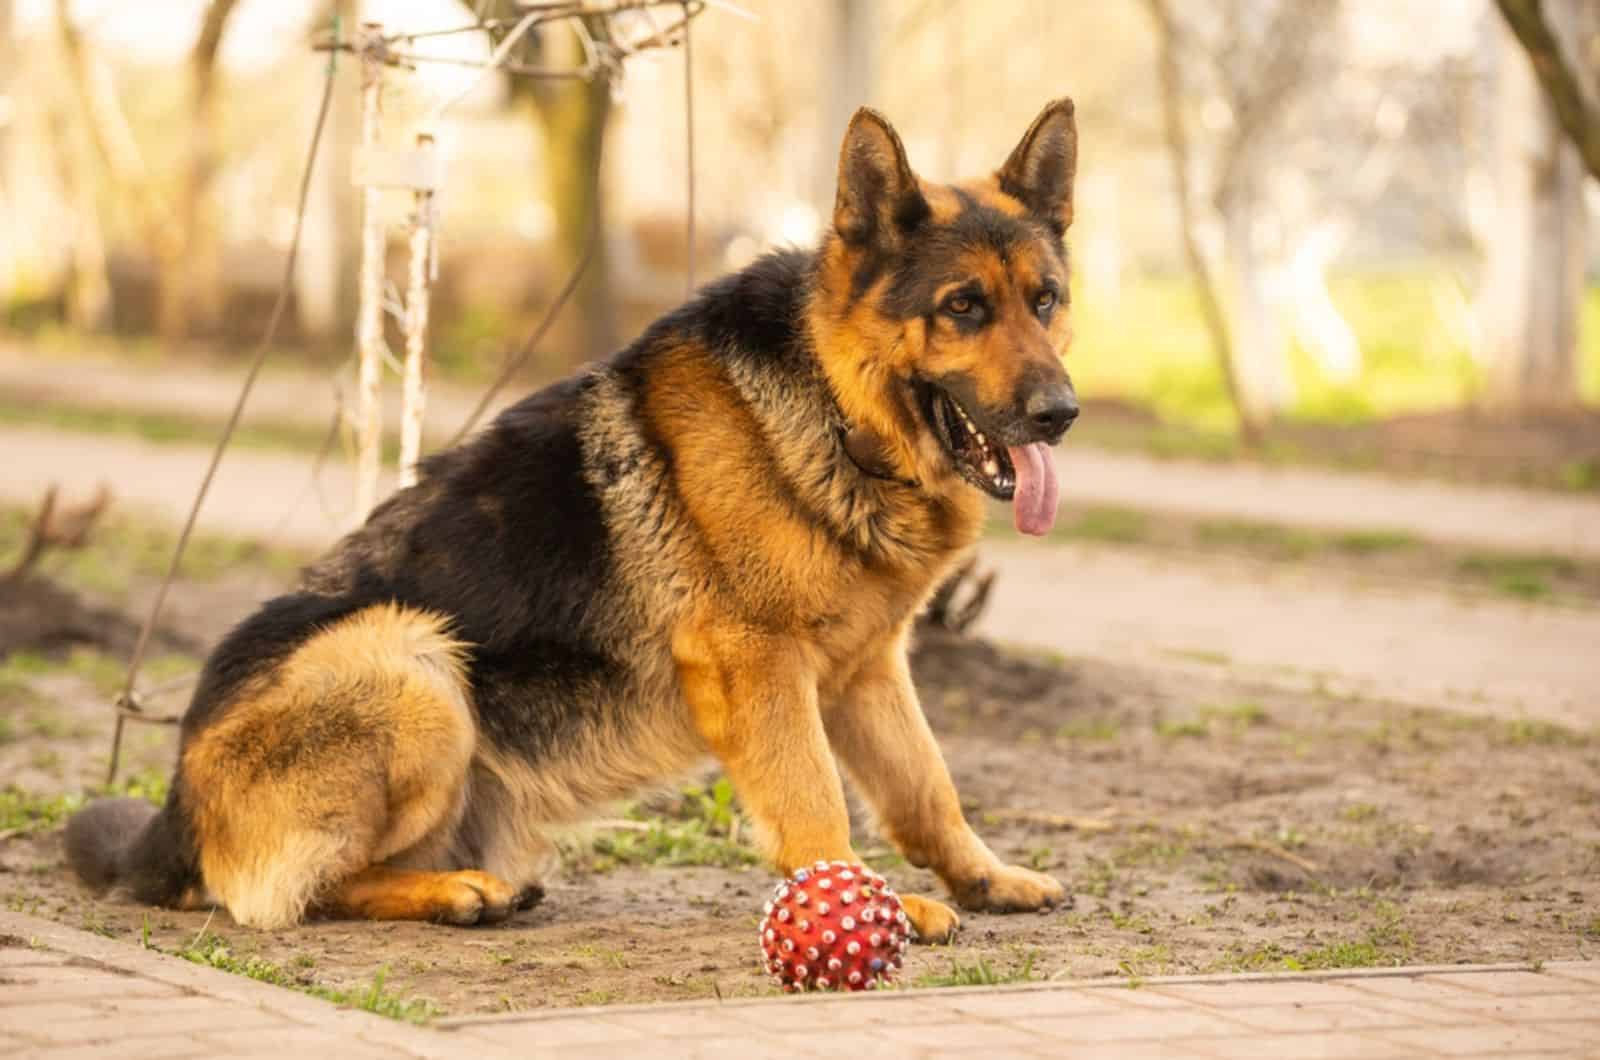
column 688, row 137
column 515, row 362
column 127, row 703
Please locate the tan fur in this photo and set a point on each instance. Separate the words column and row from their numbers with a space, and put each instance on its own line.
column 355, row 750
column 382, row 893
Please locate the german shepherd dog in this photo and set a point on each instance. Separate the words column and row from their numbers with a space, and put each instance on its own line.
column 716, row 542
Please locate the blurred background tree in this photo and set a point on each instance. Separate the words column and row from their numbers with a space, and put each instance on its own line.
column 1293, row 216
column 1535, row 272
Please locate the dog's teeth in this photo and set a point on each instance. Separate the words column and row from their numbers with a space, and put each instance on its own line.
column 991, row 468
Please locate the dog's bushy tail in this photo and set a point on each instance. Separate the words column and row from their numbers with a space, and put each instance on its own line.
column 130, row 843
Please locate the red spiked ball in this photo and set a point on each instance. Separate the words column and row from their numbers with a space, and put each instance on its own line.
column 834, row 926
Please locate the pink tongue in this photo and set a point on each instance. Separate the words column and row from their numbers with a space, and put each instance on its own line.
column 1034, row 505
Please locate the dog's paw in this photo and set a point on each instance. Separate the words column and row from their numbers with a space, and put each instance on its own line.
column 933, row 921
column 1011, row 889
column 530, row 896
column 472, row 897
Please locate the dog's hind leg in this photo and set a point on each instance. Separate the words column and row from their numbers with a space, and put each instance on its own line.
column 352, row 751
column 383, row 893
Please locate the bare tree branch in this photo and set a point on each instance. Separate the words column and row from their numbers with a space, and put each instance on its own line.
column 1261, row 96
column 1178, row 151
column 64, row 528
column 1579, row 119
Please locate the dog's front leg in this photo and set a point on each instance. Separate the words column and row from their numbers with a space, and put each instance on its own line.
column 877, row 728
column 753, row 699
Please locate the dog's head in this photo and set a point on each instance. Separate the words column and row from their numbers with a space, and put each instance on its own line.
column 942, row 316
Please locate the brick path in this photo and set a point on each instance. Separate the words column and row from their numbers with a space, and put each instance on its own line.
column 64, row 993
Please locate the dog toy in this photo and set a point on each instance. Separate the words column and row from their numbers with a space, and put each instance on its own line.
column 834, row 926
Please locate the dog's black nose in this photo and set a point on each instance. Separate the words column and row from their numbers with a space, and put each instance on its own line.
column 1051, row 409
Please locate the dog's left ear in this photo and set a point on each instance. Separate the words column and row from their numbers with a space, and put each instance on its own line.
column 1040, row 171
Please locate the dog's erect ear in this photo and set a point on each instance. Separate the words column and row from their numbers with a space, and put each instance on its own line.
column 1040, row 170
column 878, row 198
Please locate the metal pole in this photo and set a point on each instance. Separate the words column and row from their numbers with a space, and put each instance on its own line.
column 369, row 318
column 417, row 291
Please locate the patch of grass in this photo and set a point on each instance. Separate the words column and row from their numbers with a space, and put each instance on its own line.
column 124, row 548
column 1156, row 959
column 1186, row 728
column 8, row 729
column 1268, row 956
column 1280, row 542
column 17, row 672
column 1525, row 576
column 213, row 951
column 607, row 955
column 1119, row 526
column 1149, row 345
column 162, row 428
column 47, row 725
column 668, row 843
column 597, row 997
column 1098, row 877
column 379, row 1001
column 1090, row 730
column 1387, row 943
column 703, row 828
column 979, row 972
column 24, row 811
column 1358, row 812
column 1525, row 732
column 1242, row 715
column 1580, row 475
column 1372, row 542
column 1211, row 719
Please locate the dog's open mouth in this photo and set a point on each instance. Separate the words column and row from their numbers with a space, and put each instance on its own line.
column 1022, row 474
column 980, row 461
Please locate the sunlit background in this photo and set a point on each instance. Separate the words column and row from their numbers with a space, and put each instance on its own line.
column 1372, row 188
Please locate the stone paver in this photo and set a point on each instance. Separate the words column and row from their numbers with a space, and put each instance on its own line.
column 127, row 1003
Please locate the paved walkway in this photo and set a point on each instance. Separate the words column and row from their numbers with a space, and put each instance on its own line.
column 1300, row 627
column 65, row 993
column 1487, row 517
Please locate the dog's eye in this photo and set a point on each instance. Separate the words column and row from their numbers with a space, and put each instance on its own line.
column 1045, row 301
column 959, row 306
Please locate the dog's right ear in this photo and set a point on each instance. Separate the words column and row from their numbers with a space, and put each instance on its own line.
column 878, row 199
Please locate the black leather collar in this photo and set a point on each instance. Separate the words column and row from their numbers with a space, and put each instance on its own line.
column 865, row 450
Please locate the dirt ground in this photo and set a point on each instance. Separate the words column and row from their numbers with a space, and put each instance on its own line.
column 1202, row 823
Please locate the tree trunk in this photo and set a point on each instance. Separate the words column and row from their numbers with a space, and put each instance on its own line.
column 325, row 270
column 88, row 290
column 10, row 244
column 573, row 116
column 1260, row 353
column 1553, row 39
column 1205, row 281
column 848, row 80
column 191, row 283
column 1534, row 276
